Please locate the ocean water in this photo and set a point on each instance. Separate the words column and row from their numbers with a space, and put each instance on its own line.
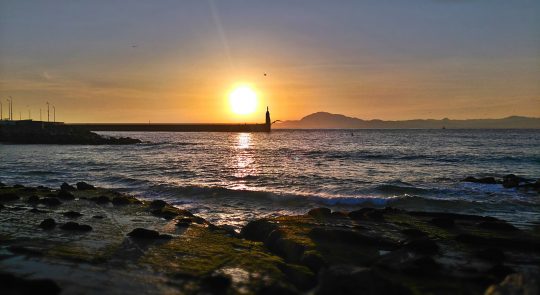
column 231, row 178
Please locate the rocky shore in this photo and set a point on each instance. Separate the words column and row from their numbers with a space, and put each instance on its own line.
column 83, row 239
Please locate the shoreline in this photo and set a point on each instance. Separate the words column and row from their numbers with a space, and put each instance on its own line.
column 100, row 239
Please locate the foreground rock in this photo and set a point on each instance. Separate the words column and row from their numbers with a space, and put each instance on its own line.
column 132, row 246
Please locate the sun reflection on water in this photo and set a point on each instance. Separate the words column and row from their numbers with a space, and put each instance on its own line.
column 245, row 167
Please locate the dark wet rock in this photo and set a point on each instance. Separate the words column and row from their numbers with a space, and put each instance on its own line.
column 279, row 288
column 33, row 199
column 414, row 233
column 158, row 204
column 48, row 223
column 50, row 201
column 455, row 216
column 514, row 284
column 366, row 213
column 527, row 244
column 67, row 187
column 101, row 200
column 339, row 214
column 8, row 197
column 147, row 234
column 443, row 222
column 11, row 284
column 36, row 210
column 500, row 271
column 98, row 217
column 497, row 225
column 313, row 260
column 22, row 250
column 289, row 249
column 216, row 283
column 18, row 186
column 74, row 226
column 301, row 276
column 320, row 212
column 72, row 214
column 491, row 254
column 421, row 266
column 422, row 246
column 258, row 230
column 345, row 279
column 350, row 237
column 483, row 180
column 511, row 181
column 184, row 222
column 82, row 186
column 120, row 201
column 164, row 213
column 65, row 195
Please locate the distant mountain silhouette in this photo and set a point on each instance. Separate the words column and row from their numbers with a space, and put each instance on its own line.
column 324, row 120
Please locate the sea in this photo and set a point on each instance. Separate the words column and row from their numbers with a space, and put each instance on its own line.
column 232, row 178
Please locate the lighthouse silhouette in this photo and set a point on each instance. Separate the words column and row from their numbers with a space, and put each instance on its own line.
column 268, row 122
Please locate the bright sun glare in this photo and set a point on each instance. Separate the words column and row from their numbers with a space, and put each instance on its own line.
column 243, row 100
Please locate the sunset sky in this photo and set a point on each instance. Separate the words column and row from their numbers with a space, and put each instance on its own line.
column 177, row 61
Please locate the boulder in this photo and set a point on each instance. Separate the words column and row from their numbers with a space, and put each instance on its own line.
column 8, row 197
column 48, row 223
column 491, row 255
column 511, row 181
column 11, row 284
column 72, row 214
column 346, row 279
column 443, row 222
column 350, row 237
column 147, row 234
column 422, row 246
column 258, row 230
column 414, row 233
column 320, row 212
column 73, row 226
column 499, row 225
column 157, row 204
column 82, row 186
column 366, row 213
column 483, row 180
column 65, row 195
column 33, row 199
column 121, row 200
column 66, row 187
column 101, row 200
column 50, row 201
column 216, row 283
column 301, row 276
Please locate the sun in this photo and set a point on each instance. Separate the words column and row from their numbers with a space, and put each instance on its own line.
column 243, row 100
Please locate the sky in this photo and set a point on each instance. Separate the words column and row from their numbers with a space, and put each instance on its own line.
column 177, row 61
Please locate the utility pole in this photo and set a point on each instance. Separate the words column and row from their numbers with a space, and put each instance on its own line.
column 48, row 118
column 11, row 108
column 40, row 114
column 54, row 114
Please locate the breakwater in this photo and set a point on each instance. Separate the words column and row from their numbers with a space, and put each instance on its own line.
column 157, row 127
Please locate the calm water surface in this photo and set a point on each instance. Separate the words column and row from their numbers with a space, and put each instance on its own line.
column 234, row 177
